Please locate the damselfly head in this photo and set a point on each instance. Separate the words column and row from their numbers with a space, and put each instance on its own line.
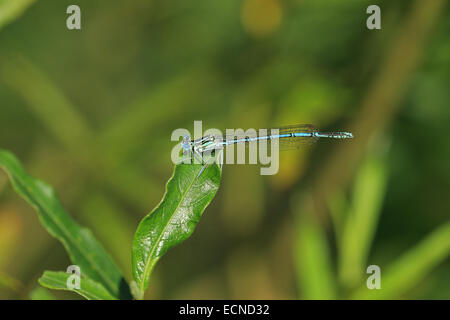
column 347, row 135
column 186, row 143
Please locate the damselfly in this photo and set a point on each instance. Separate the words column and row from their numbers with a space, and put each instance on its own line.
column 288, row 137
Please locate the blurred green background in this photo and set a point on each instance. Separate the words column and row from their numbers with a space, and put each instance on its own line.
column 91, row 112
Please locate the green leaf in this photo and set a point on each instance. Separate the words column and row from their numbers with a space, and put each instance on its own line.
column 84, row 250
column 173, row 220
column 12, row 9
column 409, row 269
column 90, row 289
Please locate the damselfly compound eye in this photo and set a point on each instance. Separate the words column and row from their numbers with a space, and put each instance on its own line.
column 186, row 144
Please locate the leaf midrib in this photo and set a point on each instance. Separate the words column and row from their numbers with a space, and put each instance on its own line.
column 142, row 282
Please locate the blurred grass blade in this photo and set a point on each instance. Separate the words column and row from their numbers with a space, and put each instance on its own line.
column 9, row 282
column 89, row 288
column 412, row 267
column 47, row 102
column 361, row 221
column 40, row 293
column 313, row 260
column 173, row 220
column 142, row 116
column 109, row 219
column 84, row 250
column 12, row 9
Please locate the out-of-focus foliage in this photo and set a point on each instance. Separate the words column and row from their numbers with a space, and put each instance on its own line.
column 11, row 9
column 84, row 250
column 40, row 293
column 91, row 111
